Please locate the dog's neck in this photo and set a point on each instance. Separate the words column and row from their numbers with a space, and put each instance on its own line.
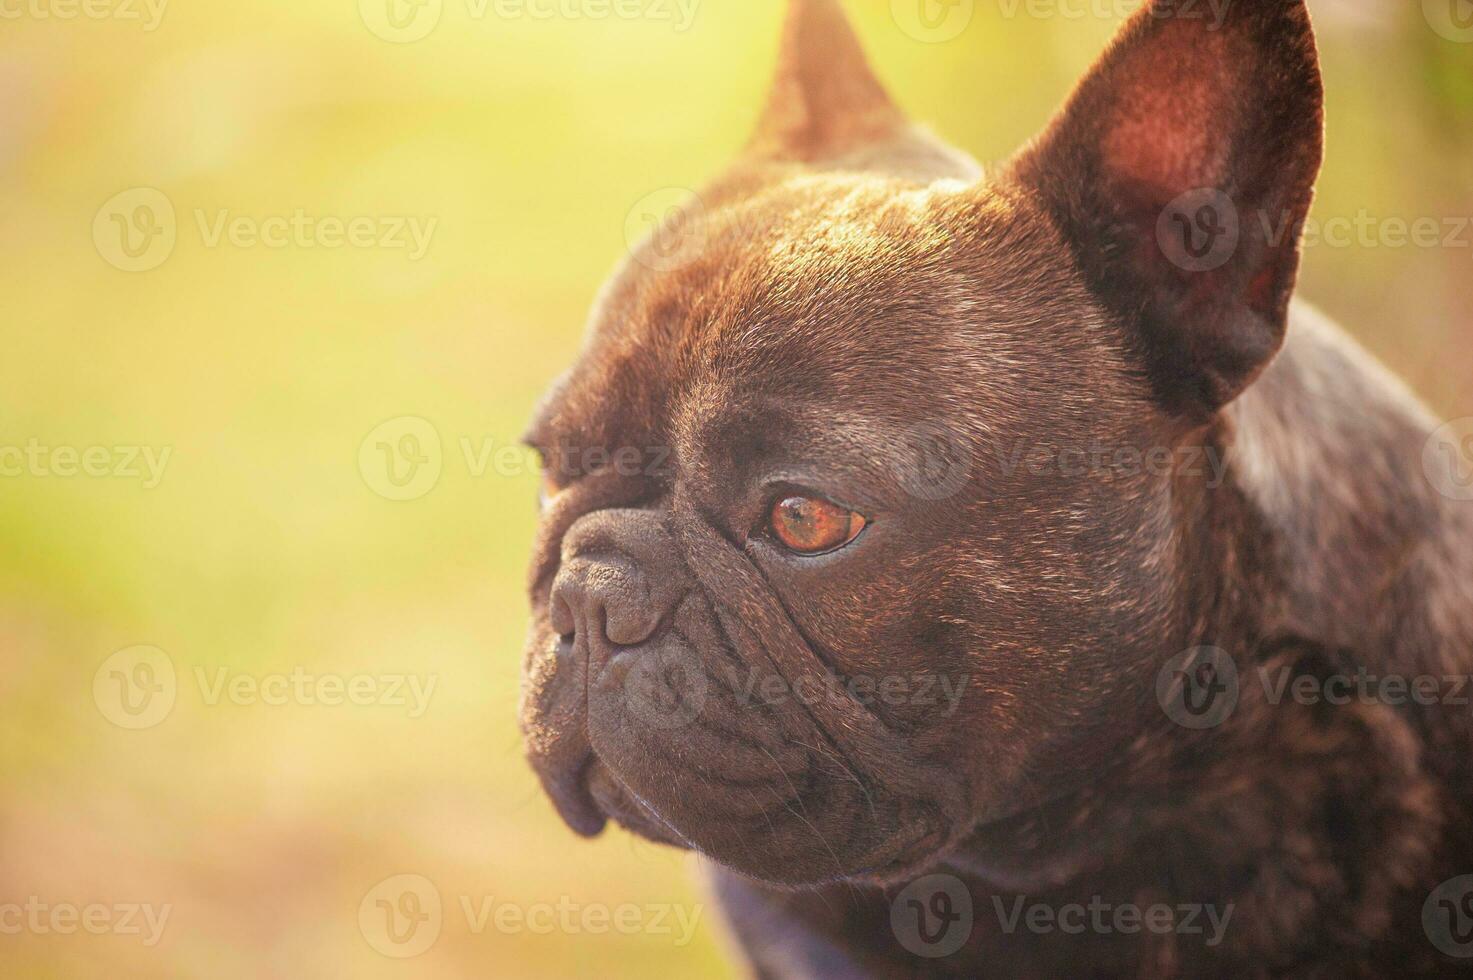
column 1329, row 447
column 1311, row 540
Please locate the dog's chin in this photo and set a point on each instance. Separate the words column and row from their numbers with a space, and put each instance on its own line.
column 773, row 858
column 617, row 803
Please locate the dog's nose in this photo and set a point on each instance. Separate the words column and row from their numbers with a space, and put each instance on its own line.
column 620, row 579
column 603, row 598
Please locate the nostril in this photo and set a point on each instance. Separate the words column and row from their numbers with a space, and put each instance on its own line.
column 560, row 615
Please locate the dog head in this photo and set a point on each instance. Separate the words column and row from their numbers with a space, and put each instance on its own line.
column 852, row 540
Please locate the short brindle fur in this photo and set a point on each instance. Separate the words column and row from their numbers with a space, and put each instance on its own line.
column 855, row 282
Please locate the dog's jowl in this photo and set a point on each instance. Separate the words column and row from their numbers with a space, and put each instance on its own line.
column 969, row 511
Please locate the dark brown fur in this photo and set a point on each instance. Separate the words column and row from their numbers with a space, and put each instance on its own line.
column 853, row 292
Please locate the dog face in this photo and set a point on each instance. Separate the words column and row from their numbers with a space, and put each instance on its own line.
column 843, row 551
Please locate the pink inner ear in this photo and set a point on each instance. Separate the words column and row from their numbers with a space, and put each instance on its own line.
column 1170, row 124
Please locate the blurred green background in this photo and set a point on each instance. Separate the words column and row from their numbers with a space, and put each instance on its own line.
column 265, row 549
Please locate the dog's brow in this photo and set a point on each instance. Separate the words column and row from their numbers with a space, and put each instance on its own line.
column 538, row 433
column 533, row 437
column 833, row 447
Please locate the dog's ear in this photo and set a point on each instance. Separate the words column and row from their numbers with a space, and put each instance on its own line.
column 1181, row 172
column 825, row 102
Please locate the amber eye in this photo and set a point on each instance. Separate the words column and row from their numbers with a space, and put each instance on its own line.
column 811, row 525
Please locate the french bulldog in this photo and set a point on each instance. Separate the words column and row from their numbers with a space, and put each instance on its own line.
column 966, row 563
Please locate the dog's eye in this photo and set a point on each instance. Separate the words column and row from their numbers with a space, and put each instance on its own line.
column 549, row 485
column 812, row 525
column 549, row 488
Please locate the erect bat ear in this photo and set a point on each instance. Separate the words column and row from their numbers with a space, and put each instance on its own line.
column 825, row 102
column 1181, row 172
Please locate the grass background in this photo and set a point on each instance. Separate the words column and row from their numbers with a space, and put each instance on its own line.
column 263, row 550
